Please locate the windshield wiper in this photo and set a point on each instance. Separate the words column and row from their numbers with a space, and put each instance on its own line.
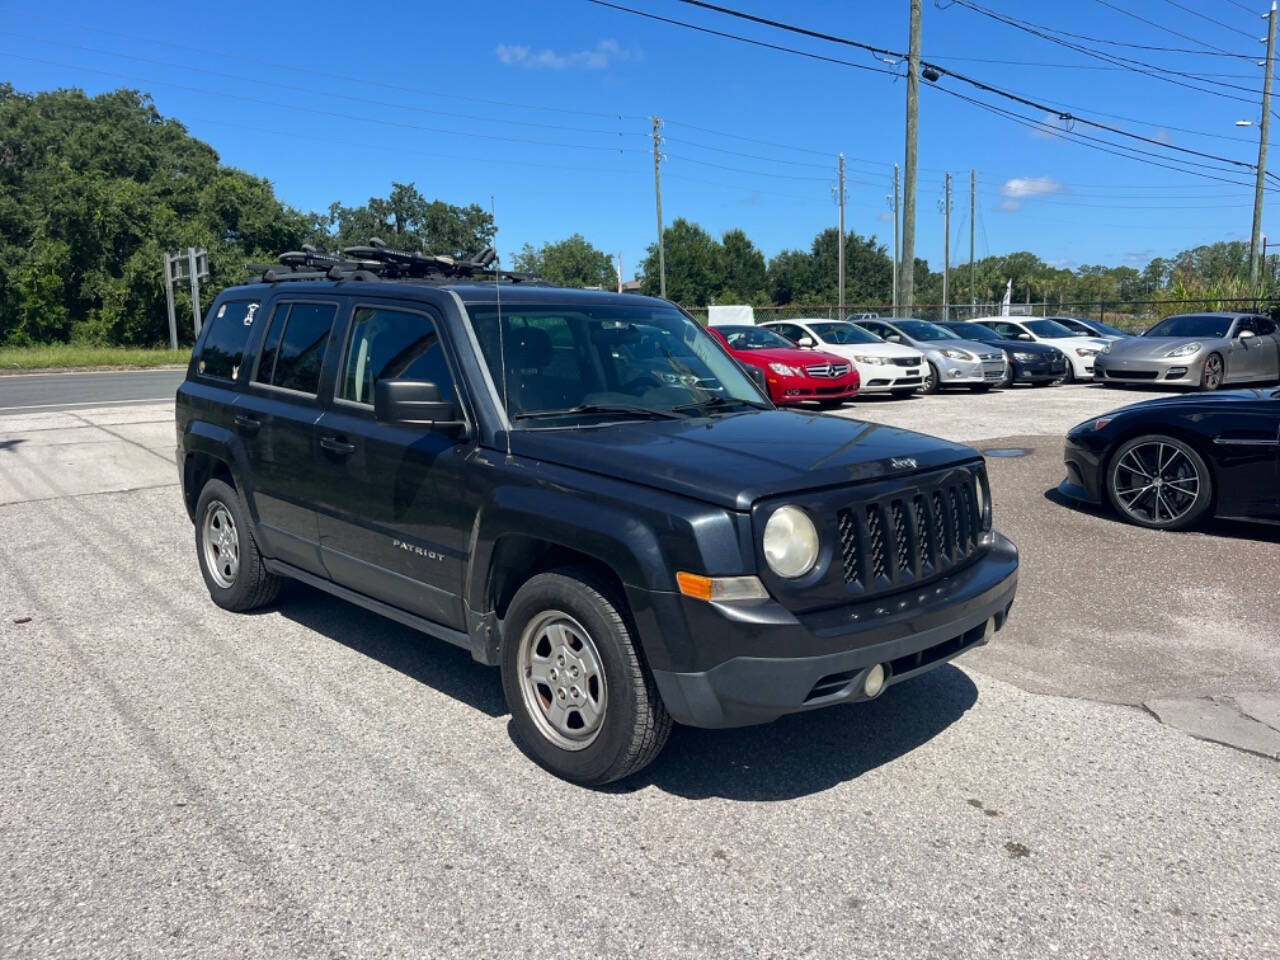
column 720, row 402
column 630, row 409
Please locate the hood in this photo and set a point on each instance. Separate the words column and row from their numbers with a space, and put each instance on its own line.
column 1151, row 348
column 1202, row 401
column 969, row 346
column 1066, row 343
column 737, row 459
column 1026, row 346
column 885, row 349
column 791, row 356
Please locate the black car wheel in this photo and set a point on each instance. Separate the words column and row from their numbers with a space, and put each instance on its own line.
column 1070, row 375
column 1159, row 482
column 582, row 699
column 931, row 383
column 1211, row 376
column 229, row 559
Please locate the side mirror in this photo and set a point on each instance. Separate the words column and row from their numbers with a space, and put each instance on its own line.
column 414, row 401
column 1246, row 334
column 893, row 338
column 1024, row 336
column 806, row 342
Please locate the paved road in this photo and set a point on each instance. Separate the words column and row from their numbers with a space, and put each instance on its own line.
column 62, row 391
column 178, row 781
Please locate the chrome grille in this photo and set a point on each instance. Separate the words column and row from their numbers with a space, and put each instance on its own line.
column 905, row 539
column 828, row 370
column 906, row 361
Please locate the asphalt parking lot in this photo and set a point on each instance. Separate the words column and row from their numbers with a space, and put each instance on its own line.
column 313, row 780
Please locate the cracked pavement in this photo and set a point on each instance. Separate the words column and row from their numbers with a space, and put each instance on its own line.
column 314, row 780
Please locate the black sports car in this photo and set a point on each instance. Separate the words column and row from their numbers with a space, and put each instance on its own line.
column 1169, row 462
column 1034, row 363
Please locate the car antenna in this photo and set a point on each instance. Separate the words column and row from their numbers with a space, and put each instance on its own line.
column 502, row 341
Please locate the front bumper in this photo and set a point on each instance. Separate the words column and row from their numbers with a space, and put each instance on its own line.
column 909, row 634
column 784, row 390
column 1184, row 371
column 965, row 373
column 1039, row 371
column 1084, row 473
column 886, row 377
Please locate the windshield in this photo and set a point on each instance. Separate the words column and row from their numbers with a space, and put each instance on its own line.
column 612, row 359
column 1191, row 325
column 837, row 332
column 973, row 331
column 754, row 338
column 923, row 330
column 1108, row 329
column 1050, row 328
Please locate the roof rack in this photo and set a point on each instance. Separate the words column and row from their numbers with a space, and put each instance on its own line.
column 377, row 261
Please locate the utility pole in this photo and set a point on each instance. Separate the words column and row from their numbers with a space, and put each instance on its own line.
column 1264, row 130
column 906, row 295
column 840, row 242
column 946, row 245
column 657, row 192
column 973, row 274
column 168, row 299
column 895, row 239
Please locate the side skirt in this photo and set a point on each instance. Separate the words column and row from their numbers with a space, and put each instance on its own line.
column 439, row 631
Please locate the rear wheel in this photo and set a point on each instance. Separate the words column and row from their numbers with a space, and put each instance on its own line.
column 1159, row 482
column 1211, row 376
column 229, row 559
column 582, row 699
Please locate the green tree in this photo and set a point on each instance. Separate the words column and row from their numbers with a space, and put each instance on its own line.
column 408, row 220
column 745, row 278
column 572, row 262
column 695, row 265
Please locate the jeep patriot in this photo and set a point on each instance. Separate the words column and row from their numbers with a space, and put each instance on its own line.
column 581, row 488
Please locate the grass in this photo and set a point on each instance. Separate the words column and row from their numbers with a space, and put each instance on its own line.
column 69, row 356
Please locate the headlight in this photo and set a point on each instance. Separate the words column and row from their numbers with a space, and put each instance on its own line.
column 958, row 355
column 874, row 361
column 790, row 542
column 1186, row 350
column 1025, row 357
column 1105, row 348
column 785, row 371
column 980, row 498
column 1086, row 352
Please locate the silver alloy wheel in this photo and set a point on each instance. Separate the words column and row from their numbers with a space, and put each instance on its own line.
column 221, row 544
column 1212, row 372
column 1160, row 482
column 562, row 680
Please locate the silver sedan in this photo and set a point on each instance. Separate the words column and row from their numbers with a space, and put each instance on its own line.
column 1204, row 350
column 952, row 362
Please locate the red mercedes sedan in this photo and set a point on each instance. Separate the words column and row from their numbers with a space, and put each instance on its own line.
column 793, row 375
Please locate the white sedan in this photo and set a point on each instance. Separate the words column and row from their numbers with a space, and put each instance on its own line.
column 1077, row 348
column 883, row 367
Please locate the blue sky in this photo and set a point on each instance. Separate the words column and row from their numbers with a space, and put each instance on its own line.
column 545, row 106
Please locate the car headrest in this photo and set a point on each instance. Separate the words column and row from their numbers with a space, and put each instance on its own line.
column 529, row 348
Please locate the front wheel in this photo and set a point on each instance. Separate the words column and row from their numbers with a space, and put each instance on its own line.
column 1159, row 482
column 1211, row 376
column 931, row 382
column 582, row 699
column 1070, row 375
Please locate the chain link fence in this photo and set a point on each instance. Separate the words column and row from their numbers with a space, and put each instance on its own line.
column 1134, row 316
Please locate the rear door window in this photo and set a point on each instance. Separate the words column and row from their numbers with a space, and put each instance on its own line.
column 293, row 353
column 225, row 341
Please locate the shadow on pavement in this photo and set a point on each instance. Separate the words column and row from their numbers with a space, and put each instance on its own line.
column 810, row 752
column 797, row 755
column 432, row 662
column 1214, row 527
column 10, row 444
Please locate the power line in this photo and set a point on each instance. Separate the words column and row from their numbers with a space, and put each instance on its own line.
column 979, row 84
column 1160, row 26
column 1205, row 16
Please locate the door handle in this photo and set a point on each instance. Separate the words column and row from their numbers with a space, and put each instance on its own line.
column 248, row 424
column 335, row 445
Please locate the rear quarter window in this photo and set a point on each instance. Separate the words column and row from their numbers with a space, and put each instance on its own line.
column 226, row 338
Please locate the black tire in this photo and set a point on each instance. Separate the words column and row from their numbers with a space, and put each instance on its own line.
column 250, row 585
column 903, row 392
column 1191, row 500
column 634, row 723
column 1208, row 381
column 932, row 382
column 1070, row 375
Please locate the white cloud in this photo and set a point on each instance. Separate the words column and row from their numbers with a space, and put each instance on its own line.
column 1011, row 206
column 1020, row 187
column 604, row 53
